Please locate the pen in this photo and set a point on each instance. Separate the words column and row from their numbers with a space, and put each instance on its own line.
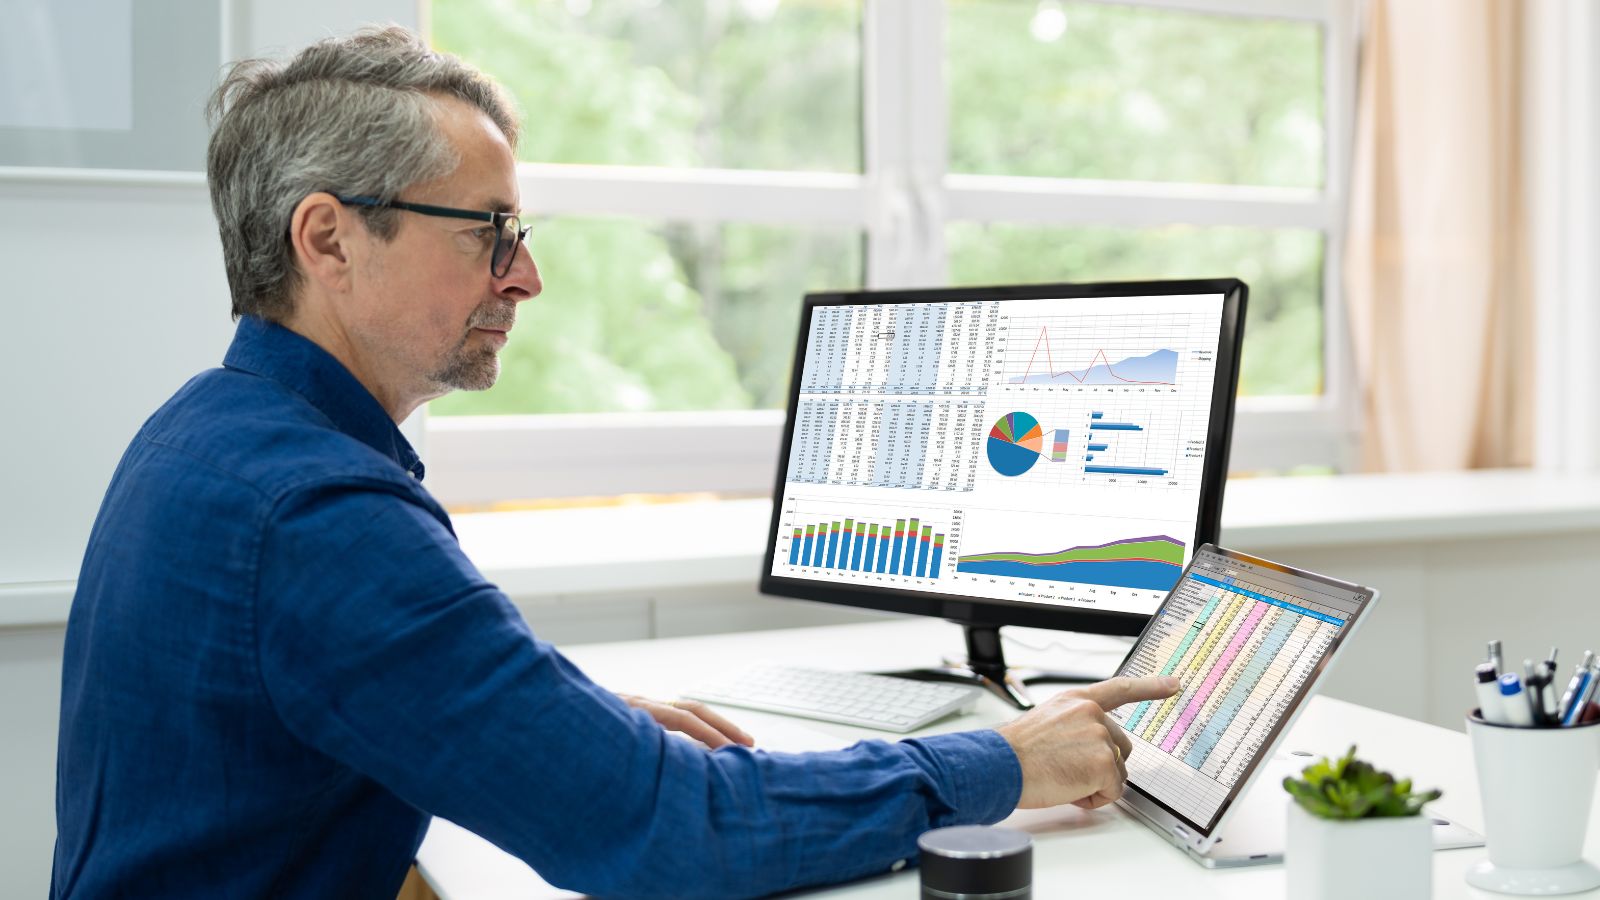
column 1581, row 704
column 1513, row 703
column 1489, row 704
column 1570, row 709
column 1533, row 684
column 1549, row 695
column 1497, row 659
column 1536, row 684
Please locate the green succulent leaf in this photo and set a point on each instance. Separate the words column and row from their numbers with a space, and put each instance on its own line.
column 1351, row 788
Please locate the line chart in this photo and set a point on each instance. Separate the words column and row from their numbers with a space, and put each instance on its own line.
column 1152, row 354
column 1159, row 367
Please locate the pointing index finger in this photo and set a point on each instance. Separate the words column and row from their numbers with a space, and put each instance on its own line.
column 1114, row 692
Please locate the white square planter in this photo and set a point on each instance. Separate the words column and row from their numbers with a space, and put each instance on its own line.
column 1370, row 859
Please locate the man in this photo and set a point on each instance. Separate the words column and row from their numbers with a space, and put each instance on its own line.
column 279, row 664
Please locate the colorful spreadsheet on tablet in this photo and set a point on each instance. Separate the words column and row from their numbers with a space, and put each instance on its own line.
column 1242, row 640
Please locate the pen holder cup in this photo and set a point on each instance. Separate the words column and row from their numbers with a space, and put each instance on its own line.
column 1537, row 785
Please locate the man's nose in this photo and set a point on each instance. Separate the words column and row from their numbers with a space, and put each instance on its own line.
column 521, row 281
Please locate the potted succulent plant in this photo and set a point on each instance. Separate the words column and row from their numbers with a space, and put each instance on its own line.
column 1356, row 831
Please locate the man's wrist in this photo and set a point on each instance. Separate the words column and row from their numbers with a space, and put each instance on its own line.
column 981, row 771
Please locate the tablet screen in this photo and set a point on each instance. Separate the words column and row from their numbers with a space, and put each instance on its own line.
column 1247, row 638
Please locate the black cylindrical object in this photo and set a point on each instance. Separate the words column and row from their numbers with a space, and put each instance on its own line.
column 976, row 862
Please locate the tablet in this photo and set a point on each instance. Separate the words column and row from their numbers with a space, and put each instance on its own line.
column 1248, row 639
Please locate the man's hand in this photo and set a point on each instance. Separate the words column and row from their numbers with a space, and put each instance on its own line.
column 694, row 719
column 1070, row 752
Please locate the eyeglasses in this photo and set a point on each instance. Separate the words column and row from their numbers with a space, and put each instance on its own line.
column 508, row 228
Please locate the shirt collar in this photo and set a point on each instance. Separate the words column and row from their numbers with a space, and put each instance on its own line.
column 271, row 351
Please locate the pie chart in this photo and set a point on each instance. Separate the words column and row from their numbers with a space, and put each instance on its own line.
column 1015, row 443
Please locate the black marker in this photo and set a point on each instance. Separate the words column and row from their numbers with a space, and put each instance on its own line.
column 1534, row 681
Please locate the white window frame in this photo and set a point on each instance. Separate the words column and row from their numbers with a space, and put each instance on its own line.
column 902, row 202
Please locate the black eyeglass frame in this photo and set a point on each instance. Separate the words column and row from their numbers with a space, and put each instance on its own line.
column 499, row 261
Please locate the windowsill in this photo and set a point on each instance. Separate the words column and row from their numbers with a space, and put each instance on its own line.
column 547, row 554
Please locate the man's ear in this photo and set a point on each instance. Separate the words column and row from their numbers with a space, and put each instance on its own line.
column 322, row 233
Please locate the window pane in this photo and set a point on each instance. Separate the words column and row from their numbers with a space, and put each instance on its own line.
column 1092, row 90
column 1283, row 324
column 757, row 84
column 648, row 316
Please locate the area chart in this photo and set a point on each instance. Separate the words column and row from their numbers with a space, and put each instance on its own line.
column 1142, row 563
column 1159, row 367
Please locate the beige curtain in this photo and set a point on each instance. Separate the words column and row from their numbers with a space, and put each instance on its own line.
column 1436, row 256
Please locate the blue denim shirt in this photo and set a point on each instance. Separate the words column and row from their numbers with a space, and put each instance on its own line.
column 279, row 665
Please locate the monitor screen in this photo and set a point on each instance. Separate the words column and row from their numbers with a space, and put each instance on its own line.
column 1041, row 455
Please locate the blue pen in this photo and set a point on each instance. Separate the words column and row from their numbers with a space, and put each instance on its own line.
column 1514, row 704
column 1588, row 694
column 1579, row 690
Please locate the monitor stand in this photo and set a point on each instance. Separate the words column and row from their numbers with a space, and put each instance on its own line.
column 985, row 666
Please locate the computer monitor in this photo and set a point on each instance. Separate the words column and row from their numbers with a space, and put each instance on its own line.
column 1043, row 455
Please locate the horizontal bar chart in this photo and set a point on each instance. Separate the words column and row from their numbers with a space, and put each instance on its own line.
column 1124, row 470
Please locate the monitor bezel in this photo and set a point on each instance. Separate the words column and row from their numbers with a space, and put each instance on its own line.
column 985, row 611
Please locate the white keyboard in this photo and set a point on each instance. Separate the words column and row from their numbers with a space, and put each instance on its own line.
column 853, row 698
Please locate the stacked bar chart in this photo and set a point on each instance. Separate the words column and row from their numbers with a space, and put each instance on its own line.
column 1239, row 651
column 1058, row 446
column 907, row 547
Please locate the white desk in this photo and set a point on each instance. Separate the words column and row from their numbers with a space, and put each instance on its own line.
column 1077, row 853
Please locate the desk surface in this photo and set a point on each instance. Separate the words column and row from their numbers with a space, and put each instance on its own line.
column 1098, row 853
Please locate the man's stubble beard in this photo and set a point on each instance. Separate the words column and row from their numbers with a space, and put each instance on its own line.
column 469, row 370
column 465, row 369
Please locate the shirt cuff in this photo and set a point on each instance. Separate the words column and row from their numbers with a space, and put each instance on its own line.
column 981, row 772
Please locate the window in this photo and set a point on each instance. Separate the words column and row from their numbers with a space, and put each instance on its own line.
column 641, row 316
column 697, row 166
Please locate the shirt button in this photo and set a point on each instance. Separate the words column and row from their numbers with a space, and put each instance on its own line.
column 898, row 865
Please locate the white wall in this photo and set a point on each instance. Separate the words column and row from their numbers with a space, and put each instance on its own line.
column 112, row 295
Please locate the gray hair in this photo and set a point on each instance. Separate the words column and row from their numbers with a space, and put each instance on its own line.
column 352, row 116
